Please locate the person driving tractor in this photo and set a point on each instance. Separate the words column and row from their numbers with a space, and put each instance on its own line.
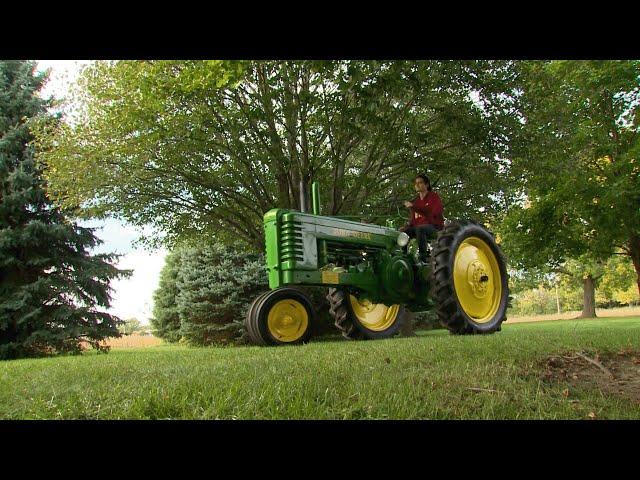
column 425, row 215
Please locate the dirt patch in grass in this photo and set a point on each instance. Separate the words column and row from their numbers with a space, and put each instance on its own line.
column 616, row 373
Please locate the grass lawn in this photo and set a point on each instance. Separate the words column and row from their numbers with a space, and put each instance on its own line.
column 431, row 376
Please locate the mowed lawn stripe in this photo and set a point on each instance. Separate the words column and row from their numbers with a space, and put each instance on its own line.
column 431, row 376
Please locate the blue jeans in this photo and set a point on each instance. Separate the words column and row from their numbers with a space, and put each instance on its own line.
column 422, row 233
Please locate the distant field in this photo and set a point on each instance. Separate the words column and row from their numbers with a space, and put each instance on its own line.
column 527, row 371
column 134, row 341
column 600, row 312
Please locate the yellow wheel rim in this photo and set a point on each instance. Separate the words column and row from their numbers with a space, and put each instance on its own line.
column 477, row 279
column 374, row 316
column 288, row 320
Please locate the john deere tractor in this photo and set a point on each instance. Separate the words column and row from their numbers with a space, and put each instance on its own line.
column 372, row 278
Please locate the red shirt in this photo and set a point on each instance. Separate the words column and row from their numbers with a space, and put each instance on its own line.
column 427, row 210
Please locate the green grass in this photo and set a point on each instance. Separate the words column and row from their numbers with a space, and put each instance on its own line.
column 423, row 377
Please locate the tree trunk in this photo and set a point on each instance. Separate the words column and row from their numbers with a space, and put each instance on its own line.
column 634, row 249
column 284, row 199
column 589, row 298
column 294, row 187
column 336, row 191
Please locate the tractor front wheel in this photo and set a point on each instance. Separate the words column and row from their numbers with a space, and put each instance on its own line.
column 361, row 319
column 280, row 317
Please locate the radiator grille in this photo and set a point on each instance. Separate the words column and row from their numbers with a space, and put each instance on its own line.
column 291, row 241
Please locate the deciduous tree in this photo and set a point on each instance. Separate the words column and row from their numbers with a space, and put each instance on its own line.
column 578, row 163
column 204, row 149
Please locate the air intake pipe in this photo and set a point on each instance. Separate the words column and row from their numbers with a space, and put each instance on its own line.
column 315, row 198
column 303, row 198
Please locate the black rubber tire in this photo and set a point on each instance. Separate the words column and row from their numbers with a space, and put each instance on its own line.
column 450, row 313
column 256, row 320
column 254, row 336
column 348, row 324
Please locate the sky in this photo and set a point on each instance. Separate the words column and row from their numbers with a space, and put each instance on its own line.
column 132, row 297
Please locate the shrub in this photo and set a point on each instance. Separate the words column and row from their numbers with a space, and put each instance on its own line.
column 166, row 320
column 216, row 284
column 535, row 302
column 427, row 321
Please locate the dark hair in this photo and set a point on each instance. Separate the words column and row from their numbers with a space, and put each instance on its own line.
column 426, row 180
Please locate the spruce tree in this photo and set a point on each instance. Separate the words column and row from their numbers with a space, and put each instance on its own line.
column 216, row 284
column 166, row 320
column 51, row 286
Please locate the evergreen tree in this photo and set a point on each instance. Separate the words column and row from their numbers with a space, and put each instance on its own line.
column 200, row 295
column 50, row 285
column 166, row 320
column 216, row 285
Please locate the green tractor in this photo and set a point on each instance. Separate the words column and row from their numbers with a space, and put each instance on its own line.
column 372, row 279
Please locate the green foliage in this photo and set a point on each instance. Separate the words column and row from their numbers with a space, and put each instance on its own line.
column 51, row 287
column 521, row 280
column 544, row 299
column 204, row 293
column 130, row 326
column 427, row 321
column 202, row 150
column 166, row 319
column 577, row 163
column 216, row 284
column 618, row 284
column 535, row 301
column 615, row 286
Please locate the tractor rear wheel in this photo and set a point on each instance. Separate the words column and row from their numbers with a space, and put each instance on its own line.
column 469, row 279
column 361, row 319
column 280, row 317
